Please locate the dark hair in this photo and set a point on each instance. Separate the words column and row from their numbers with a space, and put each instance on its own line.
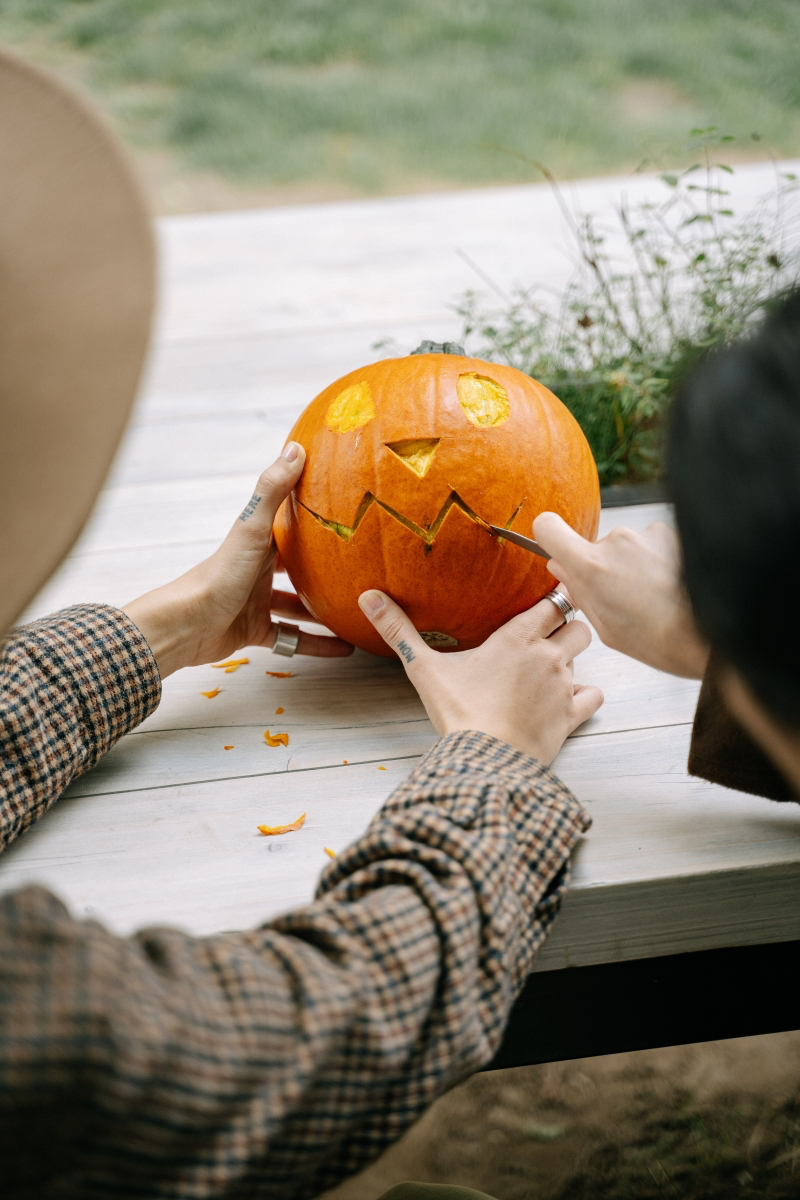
column 734, row 476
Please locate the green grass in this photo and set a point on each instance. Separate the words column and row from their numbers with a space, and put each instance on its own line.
column 383, row 95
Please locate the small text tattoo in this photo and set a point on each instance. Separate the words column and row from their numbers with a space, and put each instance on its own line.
column 250, row 507
column 405, row 651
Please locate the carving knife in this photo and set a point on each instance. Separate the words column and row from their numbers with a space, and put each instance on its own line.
column 519, row 540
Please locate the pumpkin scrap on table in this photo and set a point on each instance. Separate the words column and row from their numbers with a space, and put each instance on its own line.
column 409, row 461
column 279, row 674
column 228, row 747
column 330, row 853
column 211, row 694
column 278, row 712
column 231, row 665
column 272, row 830
column 381, row 768
column 276, row 739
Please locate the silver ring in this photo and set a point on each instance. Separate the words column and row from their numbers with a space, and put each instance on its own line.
column 563, row 605
column 287, row 639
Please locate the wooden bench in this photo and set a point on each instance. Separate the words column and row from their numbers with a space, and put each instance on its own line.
column 683, row 895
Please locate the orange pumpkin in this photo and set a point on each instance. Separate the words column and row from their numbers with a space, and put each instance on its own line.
column 408, row 461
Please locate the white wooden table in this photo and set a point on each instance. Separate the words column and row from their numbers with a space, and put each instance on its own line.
column 259, row 311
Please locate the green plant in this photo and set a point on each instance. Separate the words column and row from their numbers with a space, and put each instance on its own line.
column 691, row 276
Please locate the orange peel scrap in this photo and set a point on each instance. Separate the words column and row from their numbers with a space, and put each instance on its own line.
column 280, row 674
column 231, row 665
column 211, row 694
column 272, row 830
column 276, row 739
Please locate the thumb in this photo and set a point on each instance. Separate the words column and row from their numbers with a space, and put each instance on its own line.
column 253, row 527
column 568, row 550
column 394, row 627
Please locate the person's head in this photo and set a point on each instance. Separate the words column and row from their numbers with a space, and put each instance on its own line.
column 734, row 472
column 76, row 296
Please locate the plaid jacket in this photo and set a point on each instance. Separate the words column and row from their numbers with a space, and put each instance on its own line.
column 276, row 1061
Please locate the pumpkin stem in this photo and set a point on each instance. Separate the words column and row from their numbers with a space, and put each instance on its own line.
column 439, row 348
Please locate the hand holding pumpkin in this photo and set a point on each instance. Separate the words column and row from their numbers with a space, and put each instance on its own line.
column 517, row 686
column 226, row 601
column 628, row 584
column 410, row 460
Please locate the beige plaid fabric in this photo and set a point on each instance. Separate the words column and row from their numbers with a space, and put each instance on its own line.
column 276, row 1061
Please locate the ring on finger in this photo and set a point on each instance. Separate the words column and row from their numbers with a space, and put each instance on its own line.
column 563, row 604
column 286, row 640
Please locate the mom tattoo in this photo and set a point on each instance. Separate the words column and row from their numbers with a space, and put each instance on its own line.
column 405, row 652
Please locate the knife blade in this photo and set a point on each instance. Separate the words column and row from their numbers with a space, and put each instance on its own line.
column 519, row 540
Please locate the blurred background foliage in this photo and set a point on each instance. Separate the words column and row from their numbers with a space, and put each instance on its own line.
column 231, row 103
column 363, row 97
column 693, row 276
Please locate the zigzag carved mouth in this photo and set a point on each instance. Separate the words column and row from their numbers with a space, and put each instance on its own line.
column 426, row 532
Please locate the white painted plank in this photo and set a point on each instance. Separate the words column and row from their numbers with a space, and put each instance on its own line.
column 654, row 821
column 372, row 690
column 334, row 702
column 192, row 857
column 204, row 447
column 379, row 260
column 272, row 370
column 184, row 512
column 634, row 516
column 115, row 577
column 360, row 709
column 185, row 756
column 671, row 864
column 682, row 915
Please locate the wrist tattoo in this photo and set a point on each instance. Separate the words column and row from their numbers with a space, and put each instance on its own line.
column 405, row 652
column 250, row 507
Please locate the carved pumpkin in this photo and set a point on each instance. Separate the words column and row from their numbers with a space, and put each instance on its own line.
column 408, row 461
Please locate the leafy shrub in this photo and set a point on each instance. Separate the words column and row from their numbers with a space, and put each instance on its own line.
column 623, row 332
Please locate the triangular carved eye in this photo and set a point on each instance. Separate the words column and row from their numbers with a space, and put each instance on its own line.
column 417, row 454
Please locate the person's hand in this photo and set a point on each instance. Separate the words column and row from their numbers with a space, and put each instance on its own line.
column 226, row 602
column 517, row 686
column 629, row 586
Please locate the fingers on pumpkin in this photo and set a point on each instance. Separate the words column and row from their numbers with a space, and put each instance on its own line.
column 394, row 626
column 272, row 488
column 320, row 646
column 288, row 604
column 323, row 647
column 277, row 481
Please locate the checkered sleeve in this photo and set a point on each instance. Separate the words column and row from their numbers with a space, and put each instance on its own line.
column 279, row 1061
column 70, row 686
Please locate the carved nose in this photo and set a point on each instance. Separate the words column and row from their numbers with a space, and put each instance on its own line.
column 415, row 453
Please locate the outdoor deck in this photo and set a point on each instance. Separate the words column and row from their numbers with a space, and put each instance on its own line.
column 259, row 312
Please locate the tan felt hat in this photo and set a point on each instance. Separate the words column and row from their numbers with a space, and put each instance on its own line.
column 77, row 272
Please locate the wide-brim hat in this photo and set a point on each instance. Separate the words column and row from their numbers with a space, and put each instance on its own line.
column 77, row 271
